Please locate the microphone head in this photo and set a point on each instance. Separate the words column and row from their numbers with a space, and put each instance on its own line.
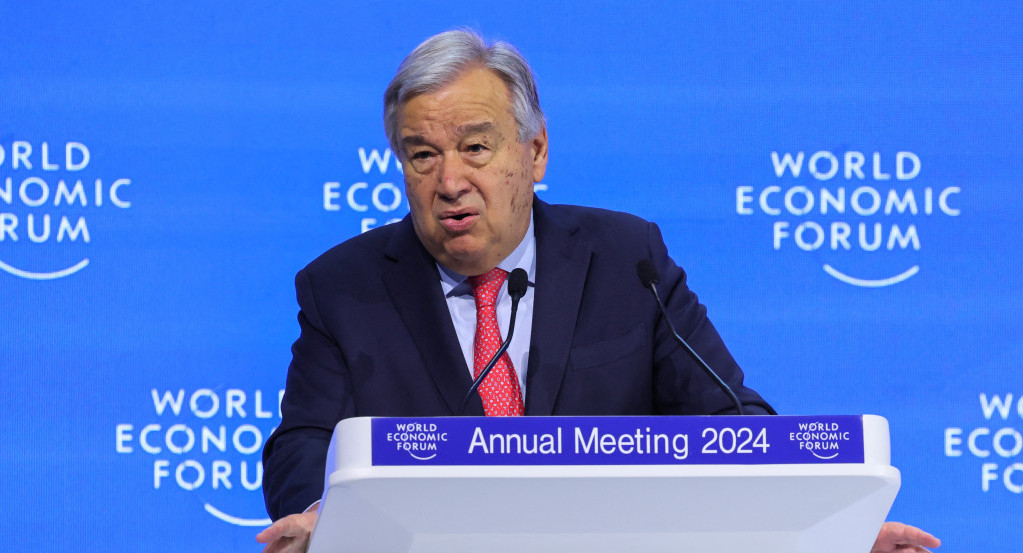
column 647, row 273
column 518, row 280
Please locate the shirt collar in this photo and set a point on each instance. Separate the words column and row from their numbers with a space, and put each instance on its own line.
column 524, row 256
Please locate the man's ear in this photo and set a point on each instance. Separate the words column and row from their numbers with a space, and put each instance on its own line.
column 539, row 145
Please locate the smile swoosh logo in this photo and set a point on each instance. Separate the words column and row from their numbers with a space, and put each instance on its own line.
column 865, row 283
column 44, row 276
column 822, row 457
column 422, row 458
column 237, row 521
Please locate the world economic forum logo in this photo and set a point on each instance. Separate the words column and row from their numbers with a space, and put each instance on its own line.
column 205, row 443
column 865, row 212
column 47, row 195
column 823, row 440
column 421, row 441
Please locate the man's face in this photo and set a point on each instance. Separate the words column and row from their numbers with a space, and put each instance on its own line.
column 468, row 179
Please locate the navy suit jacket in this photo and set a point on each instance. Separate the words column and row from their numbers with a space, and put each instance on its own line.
column 377, row 340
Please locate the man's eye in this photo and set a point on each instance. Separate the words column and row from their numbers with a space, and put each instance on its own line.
column 422, row 155
column 476, row 148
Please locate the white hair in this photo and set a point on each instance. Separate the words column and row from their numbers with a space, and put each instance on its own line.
column 442, row 58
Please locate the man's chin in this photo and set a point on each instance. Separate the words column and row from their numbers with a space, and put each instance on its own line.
column 467, row 261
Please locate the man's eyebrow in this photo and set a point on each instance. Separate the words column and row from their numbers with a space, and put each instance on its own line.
column 461, row 130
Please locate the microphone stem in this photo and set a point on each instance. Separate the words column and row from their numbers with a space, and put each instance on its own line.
column 692, row 353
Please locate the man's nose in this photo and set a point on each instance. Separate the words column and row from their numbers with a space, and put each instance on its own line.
column 454, row 178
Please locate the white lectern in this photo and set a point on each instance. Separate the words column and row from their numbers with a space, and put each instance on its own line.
column 606, row 484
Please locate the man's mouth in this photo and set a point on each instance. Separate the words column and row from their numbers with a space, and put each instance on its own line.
column 458, row 221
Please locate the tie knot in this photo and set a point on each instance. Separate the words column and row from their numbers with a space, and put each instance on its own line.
column 486, row 286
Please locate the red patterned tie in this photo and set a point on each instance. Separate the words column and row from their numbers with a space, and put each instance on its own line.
column 500, row 390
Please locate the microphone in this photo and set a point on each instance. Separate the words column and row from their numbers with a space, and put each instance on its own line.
column 518, row 281
column 650, row 279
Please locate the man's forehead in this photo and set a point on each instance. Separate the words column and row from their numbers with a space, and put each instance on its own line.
column 411, row 136
column 475, row 128
column 477, row 96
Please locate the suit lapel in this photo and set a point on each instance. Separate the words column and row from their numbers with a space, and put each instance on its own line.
column 562, row 261
column 411, row 279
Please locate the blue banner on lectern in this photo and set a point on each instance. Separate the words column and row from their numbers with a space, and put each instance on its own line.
column 617, row 440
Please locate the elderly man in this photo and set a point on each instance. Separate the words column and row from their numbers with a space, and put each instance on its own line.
column 399, row 320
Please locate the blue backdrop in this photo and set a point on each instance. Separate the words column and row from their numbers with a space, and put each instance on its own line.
column 841, row 182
